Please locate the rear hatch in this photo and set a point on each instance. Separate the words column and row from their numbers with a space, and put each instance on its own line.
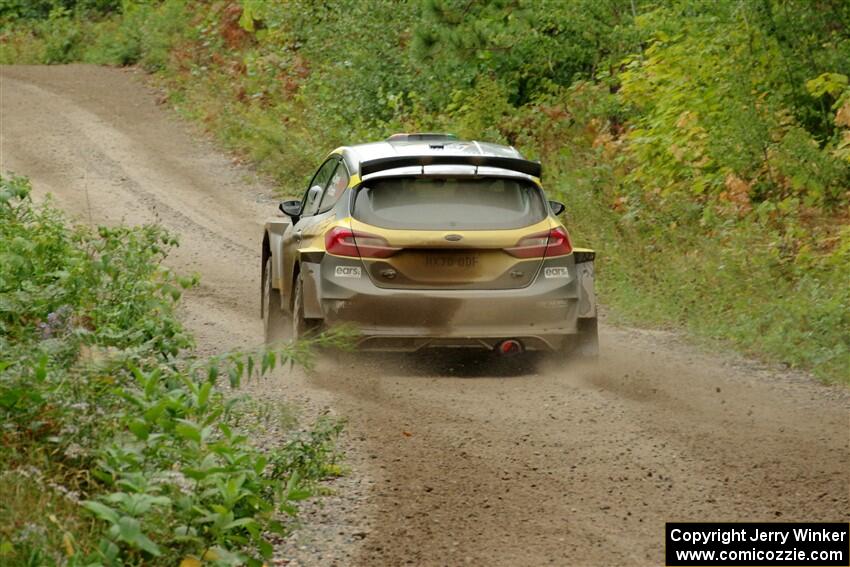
column 450, row 233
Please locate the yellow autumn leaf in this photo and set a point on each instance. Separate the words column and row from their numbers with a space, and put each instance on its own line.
column 190, row 561
column 68, row 544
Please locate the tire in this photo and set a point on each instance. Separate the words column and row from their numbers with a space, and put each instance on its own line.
column 274, row 322
column 301, row 326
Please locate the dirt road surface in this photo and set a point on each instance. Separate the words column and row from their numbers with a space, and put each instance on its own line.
column 459, row 464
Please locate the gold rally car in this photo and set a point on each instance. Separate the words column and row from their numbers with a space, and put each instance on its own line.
column 424, row 240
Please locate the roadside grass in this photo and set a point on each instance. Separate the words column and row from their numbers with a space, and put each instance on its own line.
column 43, row 524
column 735, row 303
column 260, row 415
column 119, row 446
column 736, row 289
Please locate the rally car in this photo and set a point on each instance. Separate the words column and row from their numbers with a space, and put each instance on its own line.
column 425, row 240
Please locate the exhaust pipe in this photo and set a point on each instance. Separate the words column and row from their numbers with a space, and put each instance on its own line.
column 509, row 347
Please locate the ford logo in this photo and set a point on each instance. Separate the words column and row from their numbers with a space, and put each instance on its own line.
column 453, row 237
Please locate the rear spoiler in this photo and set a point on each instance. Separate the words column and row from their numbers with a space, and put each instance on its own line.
column 532, row 168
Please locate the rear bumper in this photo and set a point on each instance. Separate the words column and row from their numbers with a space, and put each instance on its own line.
column 542, row 315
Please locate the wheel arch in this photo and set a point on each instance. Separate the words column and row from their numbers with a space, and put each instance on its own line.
column 272, row 247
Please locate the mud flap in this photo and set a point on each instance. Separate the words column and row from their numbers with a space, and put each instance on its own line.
column 587, row 340
column 587, row 328
column 586, row 290
column 311, row 279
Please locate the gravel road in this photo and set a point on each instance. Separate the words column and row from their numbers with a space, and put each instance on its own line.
column 452, row 462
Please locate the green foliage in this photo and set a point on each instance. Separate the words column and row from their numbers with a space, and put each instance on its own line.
column 709, row 106
column 528, row 46
column 102, row 405
column 832, row 84
column 144, row 34
column 58, row 38
column 13, row 10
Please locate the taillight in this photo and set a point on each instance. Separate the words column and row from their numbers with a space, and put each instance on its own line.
column 556, row 242
column 341, row 241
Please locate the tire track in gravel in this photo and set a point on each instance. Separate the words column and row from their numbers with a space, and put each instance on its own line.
column 462, row 462
column 579, row 466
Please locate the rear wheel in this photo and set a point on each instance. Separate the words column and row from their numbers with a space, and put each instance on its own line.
column 301, row 326
column 274, row 321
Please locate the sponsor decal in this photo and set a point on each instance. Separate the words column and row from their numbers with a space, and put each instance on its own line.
column 556, row 272
column 347, row 271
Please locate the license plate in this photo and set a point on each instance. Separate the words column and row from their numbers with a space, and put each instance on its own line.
column 465, row 261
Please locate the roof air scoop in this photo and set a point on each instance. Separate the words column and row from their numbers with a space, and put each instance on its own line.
column 422, row 137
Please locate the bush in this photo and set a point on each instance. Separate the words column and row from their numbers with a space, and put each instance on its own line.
column 144, row 34
column 102, row 405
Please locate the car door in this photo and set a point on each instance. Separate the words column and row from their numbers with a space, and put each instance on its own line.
column 304, row 232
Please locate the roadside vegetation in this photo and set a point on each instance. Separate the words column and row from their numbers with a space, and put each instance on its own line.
column 119, row 446
column 703, row 148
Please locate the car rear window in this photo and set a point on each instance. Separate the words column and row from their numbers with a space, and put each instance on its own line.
column 424, row 203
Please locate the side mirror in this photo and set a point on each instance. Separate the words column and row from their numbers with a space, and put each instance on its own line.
column 557, row 207
column 291, row 209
